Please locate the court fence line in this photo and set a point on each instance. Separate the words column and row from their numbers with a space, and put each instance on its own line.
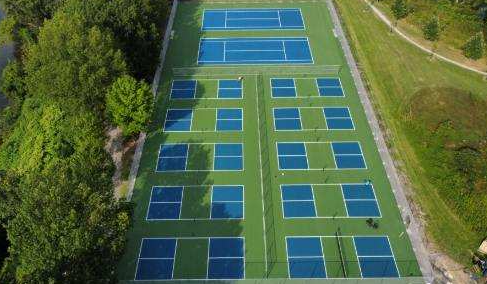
column 259, row 70
column 267, row 179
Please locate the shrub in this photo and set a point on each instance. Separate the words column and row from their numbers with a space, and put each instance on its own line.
column 130, row 104
column 474, row 47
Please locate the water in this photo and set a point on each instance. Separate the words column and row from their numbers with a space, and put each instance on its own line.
column 6, row 52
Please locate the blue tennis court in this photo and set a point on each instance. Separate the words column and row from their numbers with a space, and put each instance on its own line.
column 230, row 89
column 156, row 259
column 183, row 89
column 228, row 157
column 227, row 202
column 375, row 257
column 229, row 119
column 288, row 50
column 252, row 19
column 226, row 258
column 283, row 88
column 298, row 201
column 287, row 119
column 305, row 257
column 172, row 157
column 360, row 200
column 292, row 156
column 178, row 120
column 330, row 87
column 348, row 155
column 165, row 203
column 338, row 118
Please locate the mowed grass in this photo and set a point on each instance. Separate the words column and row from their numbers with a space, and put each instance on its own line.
column 264, row 227
column 395, row 71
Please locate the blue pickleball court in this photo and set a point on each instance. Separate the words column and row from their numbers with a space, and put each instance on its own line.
column 165, row 203
column 228, row 157
column 172, row 157
column 285, row 50
column 330, row 87
column 230, row 89
column 375, row 257
column 183, row 89
column 292, row 156
column 226, row 258
column 283, row 88
column 287, row 119
column 298, row 201
column 348, row 155
column 360, row 200
column 338, row 118
column 305, row 257
column 227, row 202
column 229, row 119
column 156, row 259
column 178, row 120
column 252, row 19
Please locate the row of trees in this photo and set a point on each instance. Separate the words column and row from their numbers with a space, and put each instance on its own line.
column 474, row 48
column 81, row 66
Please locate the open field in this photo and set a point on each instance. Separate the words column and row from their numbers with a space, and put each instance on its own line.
column 268, row 176
column 395, row 72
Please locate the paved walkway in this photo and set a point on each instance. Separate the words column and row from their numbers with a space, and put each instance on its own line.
column 410, row 40
column 134, row 169
column 413, row 227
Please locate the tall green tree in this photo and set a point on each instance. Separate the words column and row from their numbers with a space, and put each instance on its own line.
column 136, row 25
column 73, row 60
column 130, row 105
column 63, row 223
column 30, row 13
column 400, row 10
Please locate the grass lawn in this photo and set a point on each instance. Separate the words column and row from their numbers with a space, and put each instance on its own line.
column 451, row 39
column 334, row 177
column 395, row 71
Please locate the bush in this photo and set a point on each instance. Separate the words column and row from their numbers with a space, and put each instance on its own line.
column 431, row 30
column 130, row 105
column 474, row 48
column 400, row 9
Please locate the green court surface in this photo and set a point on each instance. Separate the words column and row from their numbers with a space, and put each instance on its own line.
column 263, row 226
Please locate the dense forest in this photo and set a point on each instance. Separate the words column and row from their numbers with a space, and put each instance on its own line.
column 81, row 67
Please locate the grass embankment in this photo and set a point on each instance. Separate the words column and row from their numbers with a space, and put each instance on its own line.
column 458, row 25
column 408, row 89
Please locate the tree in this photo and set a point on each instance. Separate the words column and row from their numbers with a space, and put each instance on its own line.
column 12, row 82
column 137, row 27
column 65, row 230
column 30, row 13
column 73, row 60
column 63, row 223
column 130, row 105
column 431, row 30
column 400, row 10
column 474, row 47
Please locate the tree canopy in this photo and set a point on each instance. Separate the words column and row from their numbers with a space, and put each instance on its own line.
column 56, row 189
column 70, row 60
column 130, row 105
